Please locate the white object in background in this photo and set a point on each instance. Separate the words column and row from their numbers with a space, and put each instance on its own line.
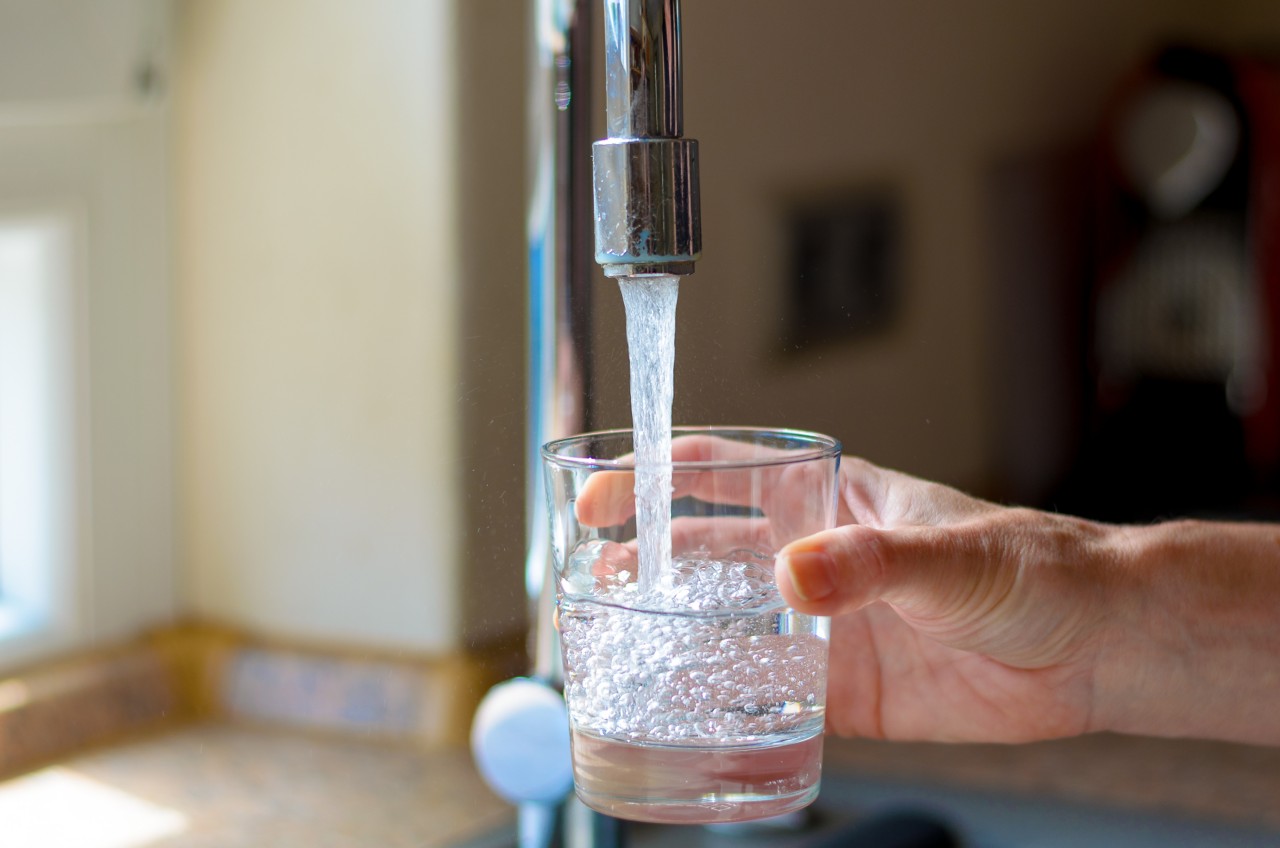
column 1176, row 144
column 520, row 739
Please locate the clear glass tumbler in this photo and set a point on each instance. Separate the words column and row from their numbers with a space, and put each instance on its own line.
column 695, row 694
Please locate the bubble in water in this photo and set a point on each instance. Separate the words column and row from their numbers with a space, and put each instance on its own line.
column 699, row 656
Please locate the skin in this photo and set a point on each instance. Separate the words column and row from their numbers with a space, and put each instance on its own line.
column 954, row 619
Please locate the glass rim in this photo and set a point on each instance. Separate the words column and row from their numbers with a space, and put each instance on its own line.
column 820, row 447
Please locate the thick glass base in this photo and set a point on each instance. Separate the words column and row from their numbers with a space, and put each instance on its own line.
column 673, row 784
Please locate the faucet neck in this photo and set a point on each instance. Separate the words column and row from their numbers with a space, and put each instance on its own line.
column 643, row 85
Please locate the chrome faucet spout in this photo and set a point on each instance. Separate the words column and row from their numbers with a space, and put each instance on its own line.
column 647, row 209
column 643, row 82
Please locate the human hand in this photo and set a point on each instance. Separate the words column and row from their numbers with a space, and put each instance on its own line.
column 954, row 619
column 960, row 620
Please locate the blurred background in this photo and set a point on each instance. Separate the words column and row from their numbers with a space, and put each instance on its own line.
column 262, row 292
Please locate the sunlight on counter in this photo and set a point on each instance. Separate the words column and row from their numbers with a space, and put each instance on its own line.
column 37, row 806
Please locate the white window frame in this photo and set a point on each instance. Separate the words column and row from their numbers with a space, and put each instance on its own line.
column 43, row 438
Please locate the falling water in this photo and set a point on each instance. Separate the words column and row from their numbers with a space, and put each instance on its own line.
column 651, row 340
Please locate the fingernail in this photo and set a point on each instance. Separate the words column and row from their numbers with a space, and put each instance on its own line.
column 813, row 574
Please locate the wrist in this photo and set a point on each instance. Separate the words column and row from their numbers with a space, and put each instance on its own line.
column 1192, row 639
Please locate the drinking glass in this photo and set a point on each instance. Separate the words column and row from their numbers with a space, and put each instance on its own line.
column 695, row 694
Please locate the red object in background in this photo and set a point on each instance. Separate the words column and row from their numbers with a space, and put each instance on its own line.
column 1258, row 86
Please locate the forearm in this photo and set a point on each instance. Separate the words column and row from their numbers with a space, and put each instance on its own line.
column 1192, row 642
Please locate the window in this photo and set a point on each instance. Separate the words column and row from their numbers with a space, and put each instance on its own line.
column 38, row 485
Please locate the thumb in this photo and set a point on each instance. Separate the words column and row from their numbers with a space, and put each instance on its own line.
column 927, row 570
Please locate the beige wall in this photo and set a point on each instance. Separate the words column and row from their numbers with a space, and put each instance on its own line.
column 1248, row 23
column 493, row 39
column 317, row 318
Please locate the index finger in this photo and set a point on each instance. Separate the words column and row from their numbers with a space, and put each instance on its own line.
column 608, row 497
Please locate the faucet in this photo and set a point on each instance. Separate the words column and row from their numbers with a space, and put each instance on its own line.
column 647, row 211
column 645, row 208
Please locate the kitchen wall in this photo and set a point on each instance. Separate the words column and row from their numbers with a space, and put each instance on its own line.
column 493, row 38
column 1250, row 24
column 317, row 319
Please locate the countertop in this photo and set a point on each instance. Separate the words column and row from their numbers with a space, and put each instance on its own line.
column 1215, row 781
column 229, row 785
